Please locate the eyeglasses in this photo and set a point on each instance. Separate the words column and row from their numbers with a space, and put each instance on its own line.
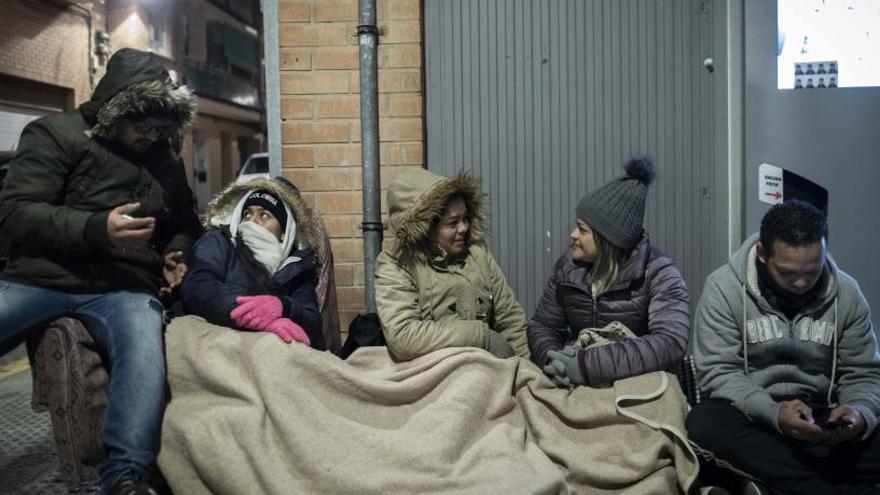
column 163, row 131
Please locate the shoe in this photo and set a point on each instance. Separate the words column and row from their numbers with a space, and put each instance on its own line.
column 130, row 485
column 713, row 490
column 750, row 487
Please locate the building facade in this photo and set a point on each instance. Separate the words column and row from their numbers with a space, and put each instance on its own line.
column 53, row 52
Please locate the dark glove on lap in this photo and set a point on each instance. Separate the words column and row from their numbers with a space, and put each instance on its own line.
column 563, row 369
column 498, row 345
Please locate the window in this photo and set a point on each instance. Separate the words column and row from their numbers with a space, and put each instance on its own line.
column 233, row 50
column 832, row 43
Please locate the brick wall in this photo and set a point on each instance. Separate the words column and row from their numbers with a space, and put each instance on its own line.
column 129, row 26
column 320, row 110
column 46, row 43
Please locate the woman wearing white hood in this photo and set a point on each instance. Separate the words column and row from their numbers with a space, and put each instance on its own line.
column 256, row 269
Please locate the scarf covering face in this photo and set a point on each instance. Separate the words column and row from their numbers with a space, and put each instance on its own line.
column 267, row 249
column 265, row 246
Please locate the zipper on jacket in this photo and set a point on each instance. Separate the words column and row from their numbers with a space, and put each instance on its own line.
column 595, row 311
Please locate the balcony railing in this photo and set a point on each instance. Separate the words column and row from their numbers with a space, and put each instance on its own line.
column 222, row 85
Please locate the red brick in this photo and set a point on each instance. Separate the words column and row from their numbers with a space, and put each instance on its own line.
column 348, row 250
column 400, row 56
column 400, row 105
column 391, row 154
column 400, row 81
column 401, row 32
column 339, row 202
column 402, row 9
column 309, row 198
column 304, row 83
column 327, row 179
column 358, row 275
column 340, row 155
column 292, row 11
column 413, row 153
column 297, row 108
column 314, row 132
column 336, row 58
column 313, row 35
column 298, row 156
column 296, row 59
column 350, row 297
column 355, row 82
column 402, row 153
column 400, row 130
column 339, row 107
column 386, row 175
column 340, row 225
column 344, row 274
column 330, row 10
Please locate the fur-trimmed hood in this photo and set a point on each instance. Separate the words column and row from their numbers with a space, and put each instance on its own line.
column 416, row 199
column 136, row 82
column 222, row 206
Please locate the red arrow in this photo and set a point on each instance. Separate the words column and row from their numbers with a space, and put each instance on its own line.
column 774, row 195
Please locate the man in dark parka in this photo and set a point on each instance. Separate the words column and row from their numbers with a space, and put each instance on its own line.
column 99, row 214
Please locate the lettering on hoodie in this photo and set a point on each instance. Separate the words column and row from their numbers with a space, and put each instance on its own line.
column 771, row 327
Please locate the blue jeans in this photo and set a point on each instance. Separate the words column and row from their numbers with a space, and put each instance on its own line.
column 128, row 328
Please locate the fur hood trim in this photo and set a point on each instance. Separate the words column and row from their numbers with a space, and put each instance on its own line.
column 145, row 97
column 222, row 206
column 417, row 198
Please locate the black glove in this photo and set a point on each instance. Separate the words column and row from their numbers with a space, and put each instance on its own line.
column 498, row 345
column 558, row 378
column 564, row 369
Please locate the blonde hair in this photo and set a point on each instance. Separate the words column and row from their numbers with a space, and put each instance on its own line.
column 609, row 259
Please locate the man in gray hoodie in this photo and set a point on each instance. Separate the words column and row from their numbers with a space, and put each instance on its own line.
column 785, row 351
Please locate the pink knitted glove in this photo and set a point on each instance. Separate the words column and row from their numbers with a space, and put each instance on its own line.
column 256, row 312
column 288, row 331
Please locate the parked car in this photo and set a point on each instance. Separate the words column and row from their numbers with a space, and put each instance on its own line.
column 257, row 165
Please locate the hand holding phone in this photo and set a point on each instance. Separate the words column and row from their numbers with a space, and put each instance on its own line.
column 835, row 425
column 127, row 232
column 822, row 421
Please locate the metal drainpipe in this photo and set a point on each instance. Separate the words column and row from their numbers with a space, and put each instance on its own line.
column 368, row 38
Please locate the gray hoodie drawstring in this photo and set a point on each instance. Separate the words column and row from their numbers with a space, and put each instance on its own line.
column 833, row 356
column 744, row 333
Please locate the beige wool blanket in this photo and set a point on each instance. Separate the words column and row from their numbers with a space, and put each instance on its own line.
column 250, row 414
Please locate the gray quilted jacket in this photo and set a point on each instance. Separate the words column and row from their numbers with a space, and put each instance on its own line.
column 649, row 297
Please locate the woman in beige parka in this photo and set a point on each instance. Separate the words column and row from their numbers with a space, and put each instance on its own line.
column 437, row 285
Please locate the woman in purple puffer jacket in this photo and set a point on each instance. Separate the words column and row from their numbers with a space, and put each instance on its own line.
column 611, row 273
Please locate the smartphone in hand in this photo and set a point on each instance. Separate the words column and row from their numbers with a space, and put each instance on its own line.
column 823, row 422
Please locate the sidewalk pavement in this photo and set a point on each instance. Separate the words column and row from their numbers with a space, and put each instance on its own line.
column 28, row 460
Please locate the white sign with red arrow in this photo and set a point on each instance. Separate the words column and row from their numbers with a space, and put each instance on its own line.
column 770, row 184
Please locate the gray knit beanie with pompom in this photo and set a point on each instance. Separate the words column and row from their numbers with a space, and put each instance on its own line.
column 616, row 210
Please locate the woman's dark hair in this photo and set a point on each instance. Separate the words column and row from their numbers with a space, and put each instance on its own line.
column 260, row 278
column 794, row 222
